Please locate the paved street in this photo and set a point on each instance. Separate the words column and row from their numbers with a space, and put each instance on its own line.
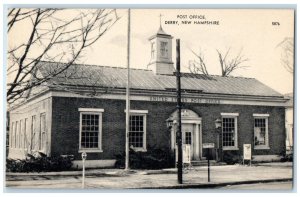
column 167, row 179
column 261, row 186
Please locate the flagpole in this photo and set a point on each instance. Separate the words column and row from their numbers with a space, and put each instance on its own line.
column 127, row 96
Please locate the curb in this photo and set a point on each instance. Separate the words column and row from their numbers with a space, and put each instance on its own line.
column 74, row 173
column 214, row 185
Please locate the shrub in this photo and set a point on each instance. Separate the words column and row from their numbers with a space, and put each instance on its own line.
column 154, row 158
column 39, row 162
column 15, row 165
column 287, row 157
column 231, row 157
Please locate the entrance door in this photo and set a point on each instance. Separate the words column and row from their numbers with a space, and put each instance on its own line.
column 188, row 135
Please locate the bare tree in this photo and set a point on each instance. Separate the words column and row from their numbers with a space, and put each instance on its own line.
column 287, row 54
column 198, row 66
column 60, row 35
column 227, row 65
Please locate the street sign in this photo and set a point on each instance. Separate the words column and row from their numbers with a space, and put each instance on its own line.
column 208, row 145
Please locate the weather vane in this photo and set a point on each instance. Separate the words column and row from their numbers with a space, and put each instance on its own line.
column 160, row 15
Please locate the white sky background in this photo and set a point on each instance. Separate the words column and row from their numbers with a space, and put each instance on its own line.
column 249, row 30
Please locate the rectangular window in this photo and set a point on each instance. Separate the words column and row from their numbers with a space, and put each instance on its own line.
column 33, row 134
column 90, row 130
column 21, row 132
column 136, row 135
column 229, row 131
column 25, row 133
column 164, row 49
column 137, row 130
column 188, row 138
column 261, row 132
column 16, row 140
column 42, row 140
column 12, row 136
column 152, row 49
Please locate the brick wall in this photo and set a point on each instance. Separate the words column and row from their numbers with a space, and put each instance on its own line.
column 65, row 126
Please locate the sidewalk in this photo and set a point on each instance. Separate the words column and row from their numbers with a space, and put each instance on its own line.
column 154, row 179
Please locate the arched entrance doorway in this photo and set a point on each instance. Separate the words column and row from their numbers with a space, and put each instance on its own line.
column 191, row 131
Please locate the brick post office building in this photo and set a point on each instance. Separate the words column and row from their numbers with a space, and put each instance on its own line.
column 83, row 109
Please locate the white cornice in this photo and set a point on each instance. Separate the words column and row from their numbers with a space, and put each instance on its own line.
column 203, row 99
column 158, row 96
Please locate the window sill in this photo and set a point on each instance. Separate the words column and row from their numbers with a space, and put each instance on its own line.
column 139, row 149
column 230, row 148
column 90, row 150
column 261, row 147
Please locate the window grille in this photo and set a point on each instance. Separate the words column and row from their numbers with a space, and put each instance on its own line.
column 229, row 129
column 136, row 131
column 260, row 132
column 188, row 138
column 90, row 130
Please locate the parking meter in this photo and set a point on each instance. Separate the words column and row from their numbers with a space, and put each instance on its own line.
column 83, row 156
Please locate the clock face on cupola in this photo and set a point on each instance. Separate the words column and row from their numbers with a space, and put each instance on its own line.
column 161, row 52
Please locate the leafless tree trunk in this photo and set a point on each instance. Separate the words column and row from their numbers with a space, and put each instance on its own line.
column 57, row 35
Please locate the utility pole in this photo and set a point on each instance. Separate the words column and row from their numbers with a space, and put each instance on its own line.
column 127, row 97
column 178, row 133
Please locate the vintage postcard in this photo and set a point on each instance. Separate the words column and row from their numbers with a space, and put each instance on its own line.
column 150, row 98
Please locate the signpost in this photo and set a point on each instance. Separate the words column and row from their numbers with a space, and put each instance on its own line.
column 247, row 153
column 208, row 146
column 83, row 156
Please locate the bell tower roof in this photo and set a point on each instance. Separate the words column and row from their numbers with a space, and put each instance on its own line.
column 160, row 32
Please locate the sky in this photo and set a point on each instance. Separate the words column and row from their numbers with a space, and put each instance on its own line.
column 251, row 31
